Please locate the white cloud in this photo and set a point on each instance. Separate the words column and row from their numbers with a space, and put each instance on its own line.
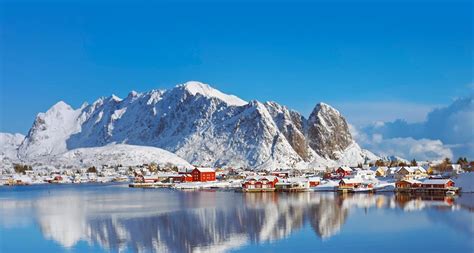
column 445, row 128
column 365, row 113
column 406, row 147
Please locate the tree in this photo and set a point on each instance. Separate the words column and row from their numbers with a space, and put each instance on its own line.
column 462, row 161
column 413, row 162
column 153, row 167
column 92, row 170
column 402, row 164
column 447, row 160
column 21, row 169
column 379, row 163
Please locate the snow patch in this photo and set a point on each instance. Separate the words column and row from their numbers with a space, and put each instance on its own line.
column 194, row 88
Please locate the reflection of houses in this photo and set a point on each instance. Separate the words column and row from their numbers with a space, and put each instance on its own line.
column 259, row 183
column 420, row 202
column 136, row 222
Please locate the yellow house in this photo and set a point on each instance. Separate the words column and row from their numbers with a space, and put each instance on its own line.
column 411, row 173
column 430, row 171
column 381, row 171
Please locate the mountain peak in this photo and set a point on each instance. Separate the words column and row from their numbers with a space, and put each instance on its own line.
column 61, row 105
column 113, row 97
column 323, row 107
column 195, row 87
column 328, row 131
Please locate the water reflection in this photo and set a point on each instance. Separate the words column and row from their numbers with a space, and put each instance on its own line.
column 161, row 221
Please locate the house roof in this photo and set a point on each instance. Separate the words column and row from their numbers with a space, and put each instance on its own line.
column 351, row 181
column 345, row 168
column 436, row 181
column 205, row 169
column 411, row 181
column 259, row 178
column 314, row 179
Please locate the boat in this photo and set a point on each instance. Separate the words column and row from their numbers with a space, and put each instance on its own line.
column 451, row 193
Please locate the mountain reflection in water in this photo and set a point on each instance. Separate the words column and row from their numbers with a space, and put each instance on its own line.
column 119, row 219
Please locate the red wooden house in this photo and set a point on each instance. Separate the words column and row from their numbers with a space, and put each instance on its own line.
column 181, row 178
column 407, row 184
column 281, row 174
column 203, row 174
column 314, row 181
column 344, row 171
column 259, row 183
column 437, row 183
column 349, row 183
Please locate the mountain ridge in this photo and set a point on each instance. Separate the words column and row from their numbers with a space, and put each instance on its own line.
column 202, row 125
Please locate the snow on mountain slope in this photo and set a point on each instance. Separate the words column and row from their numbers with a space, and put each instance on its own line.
column 200, row 124
column 50, row 131
column 118, row 154
column 354, row 154
column 9, row 144
column 195, row 88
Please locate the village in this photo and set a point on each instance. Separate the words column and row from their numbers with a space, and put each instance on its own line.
column 406, row 179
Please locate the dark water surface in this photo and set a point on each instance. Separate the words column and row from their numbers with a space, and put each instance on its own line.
column 114, row 218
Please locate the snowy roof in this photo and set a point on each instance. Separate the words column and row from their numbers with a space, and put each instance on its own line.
column 298, row 179
column 206, row 169
column 411, row 181
column 258, row 178
column 351, row 181
column 345, row 168
column 436, row 181
column 314, row 179
column 418, row 168
column 413, row 168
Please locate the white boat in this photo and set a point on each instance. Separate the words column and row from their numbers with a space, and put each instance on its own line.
column 451, row 193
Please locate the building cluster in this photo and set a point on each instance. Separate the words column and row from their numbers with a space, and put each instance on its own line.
column 403, row 179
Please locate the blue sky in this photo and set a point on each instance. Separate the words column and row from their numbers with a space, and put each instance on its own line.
column 397, row 59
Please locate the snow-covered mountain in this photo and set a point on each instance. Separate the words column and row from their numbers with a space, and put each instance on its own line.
column 9, row 144
column 117, row 154
column 202, row 125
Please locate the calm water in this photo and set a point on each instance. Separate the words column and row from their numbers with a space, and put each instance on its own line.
column 99, row 218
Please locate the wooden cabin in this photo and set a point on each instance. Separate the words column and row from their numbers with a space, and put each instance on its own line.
column 344, row 171
column 259, row 183
column 203, row 174
column 407, row 184
column 437, row 184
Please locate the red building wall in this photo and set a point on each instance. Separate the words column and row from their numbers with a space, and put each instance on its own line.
column 199, row 176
